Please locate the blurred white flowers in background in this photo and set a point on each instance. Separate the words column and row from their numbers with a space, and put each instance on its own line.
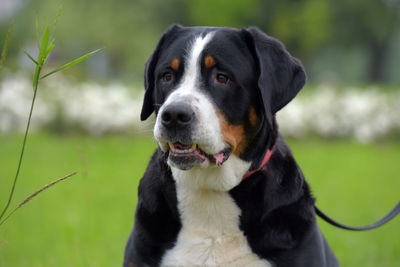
column 362, row 113
column 91, row 107
column 15, row 100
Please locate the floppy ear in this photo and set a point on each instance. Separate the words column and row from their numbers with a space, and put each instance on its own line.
column 148, row 102
column 281, row 76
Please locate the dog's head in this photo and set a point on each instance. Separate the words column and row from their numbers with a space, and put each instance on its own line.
column 213, row 89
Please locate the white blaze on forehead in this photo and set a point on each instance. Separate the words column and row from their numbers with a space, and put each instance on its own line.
column 192, row 71
column 191, row 77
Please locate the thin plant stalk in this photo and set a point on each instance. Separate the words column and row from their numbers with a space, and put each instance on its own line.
column 22, row 153
column 38, row 69
column 37, row 192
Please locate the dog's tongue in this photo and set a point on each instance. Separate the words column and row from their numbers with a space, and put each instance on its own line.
column 219, row 158
column 186, row 156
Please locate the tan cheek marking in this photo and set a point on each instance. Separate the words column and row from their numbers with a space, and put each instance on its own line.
column 175, row 64
column 253, row 118
column 210, row 62
column 233, row 134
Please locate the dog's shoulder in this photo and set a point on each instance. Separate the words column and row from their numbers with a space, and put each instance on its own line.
column 157, row 220
column 276, row 205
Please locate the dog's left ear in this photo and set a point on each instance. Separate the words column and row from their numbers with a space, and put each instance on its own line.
column 149, row 82
column 281, row 76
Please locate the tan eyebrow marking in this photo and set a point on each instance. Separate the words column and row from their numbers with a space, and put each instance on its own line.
column 175, row 64
column 210, row 61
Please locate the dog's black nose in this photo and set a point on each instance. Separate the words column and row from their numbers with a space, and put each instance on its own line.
column 177, row 115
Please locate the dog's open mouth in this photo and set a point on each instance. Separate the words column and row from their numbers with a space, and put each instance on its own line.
column 188, row 156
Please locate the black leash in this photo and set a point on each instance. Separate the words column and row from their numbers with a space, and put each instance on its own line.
column 395, row 211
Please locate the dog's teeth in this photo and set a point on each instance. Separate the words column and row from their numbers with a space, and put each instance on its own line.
column 182, row 151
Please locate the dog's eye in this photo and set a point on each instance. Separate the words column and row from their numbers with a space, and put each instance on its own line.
column 222, row 78
column 167, row 77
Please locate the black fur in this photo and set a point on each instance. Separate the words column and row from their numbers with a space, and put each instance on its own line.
column 156, row 220
column 277, row 217
column 277, row 214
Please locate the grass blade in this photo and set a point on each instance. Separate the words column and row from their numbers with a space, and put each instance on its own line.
column 43, row 46
column 49, row 49
column 5, row 46
column 37, row 192
column 28, row 55
column 70, row 64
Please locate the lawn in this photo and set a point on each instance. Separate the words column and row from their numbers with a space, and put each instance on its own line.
column 85, row 220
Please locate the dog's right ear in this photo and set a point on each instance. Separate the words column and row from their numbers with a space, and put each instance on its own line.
column 149, row 80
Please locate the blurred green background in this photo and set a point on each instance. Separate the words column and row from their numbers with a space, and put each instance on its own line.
column 344, row 128
column 339, row 40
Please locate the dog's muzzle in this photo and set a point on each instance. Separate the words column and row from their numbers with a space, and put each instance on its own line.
column 178, row 123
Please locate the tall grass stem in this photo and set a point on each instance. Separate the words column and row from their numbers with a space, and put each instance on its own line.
column 22, row 153
column 37, row 192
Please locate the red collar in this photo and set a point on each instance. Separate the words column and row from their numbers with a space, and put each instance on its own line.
column 263, row 163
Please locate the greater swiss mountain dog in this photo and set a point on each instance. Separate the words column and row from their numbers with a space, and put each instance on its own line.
column 223, row 188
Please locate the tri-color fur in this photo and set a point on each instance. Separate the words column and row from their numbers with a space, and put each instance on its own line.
column 215, row 92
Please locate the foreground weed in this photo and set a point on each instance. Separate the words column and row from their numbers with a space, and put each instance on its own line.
column 45, row 45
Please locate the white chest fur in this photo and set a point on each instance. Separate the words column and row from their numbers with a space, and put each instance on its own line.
column 210, row 234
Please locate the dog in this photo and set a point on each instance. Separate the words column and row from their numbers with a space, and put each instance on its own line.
column 223, row 188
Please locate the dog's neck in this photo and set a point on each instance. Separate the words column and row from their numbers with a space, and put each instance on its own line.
column 264, row 140
column 264, row 162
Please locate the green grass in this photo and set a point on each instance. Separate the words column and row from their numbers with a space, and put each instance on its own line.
column 355, row 184
column 85, row 220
